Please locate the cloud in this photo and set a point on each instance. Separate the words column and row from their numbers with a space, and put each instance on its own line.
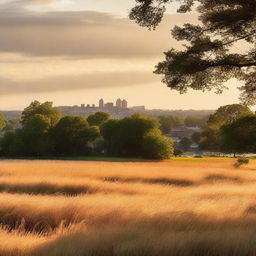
column 58, row 51
column 80, row 34
column 74, row 83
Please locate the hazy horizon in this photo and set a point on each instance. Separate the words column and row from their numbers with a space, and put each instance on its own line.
column 74, row 52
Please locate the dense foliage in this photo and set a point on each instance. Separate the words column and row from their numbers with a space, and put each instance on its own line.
column 134, row 136
column 98, row 118
column 210, row 137
column 157, row 147
column 72, row 135
column 239, row 136
column 221, row 46
column 195, row 121
column 45, row 109
column 169, row 122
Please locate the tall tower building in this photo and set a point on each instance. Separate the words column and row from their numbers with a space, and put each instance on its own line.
column 101, row 103
column 119, row 103
column 124, row 104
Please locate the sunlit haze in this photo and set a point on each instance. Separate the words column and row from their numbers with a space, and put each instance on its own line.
column 77, row 51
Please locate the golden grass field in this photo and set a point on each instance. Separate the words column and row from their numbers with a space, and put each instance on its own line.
column 200, row 207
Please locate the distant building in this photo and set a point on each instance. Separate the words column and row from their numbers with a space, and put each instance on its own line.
column 109, row 105
column 119, row 103
column 124, row 104
column 139, row 108
column 101, row 103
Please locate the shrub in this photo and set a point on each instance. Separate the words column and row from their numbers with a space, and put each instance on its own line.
column 241, row 161
column 157, row 147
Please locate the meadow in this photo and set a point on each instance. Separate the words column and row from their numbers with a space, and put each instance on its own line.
column 182, row 207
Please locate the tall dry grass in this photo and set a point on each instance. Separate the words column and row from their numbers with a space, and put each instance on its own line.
column 179, row 208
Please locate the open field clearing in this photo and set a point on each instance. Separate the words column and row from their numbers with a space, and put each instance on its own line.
column 179, row 207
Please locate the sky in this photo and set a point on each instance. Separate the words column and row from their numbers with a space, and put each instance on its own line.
column 75, row 52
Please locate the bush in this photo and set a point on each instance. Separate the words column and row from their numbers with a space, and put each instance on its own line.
column 241, row 161
column 123, row 138
column 157, row 147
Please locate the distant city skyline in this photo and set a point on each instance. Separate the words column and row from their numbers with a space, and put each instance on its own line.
column 119, row 104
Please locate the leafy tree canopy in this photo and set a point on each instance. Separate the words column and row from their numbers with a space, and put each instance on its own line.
column 98, row 118
column 37, row 125
column 239, row 136
column 169, row 122
column 157, row 147
column 12, row 125
column 227, row 114
column 12, row 143
column 72, row 135
column 46, row 109
column 195, row 121
column 124, row 137
column 210, row 137
column 35, row 137
column 212, row 52
column 209, row 140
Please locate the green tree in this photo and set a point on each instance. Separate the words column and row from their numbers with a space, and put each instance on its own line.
column 12, row 125
column 98, row 118
column 157, row 147
column 124, row 137
column 72, row 135
column 46, row 109
column 110, row 131
column 227, row 114
column 239, row 136
column 185, row 143
column 36, row 137
column 211, row 54
column 32, row 140
column 2, row 122
column 12, row 143
column 169, row 122
column 196, row 121
column 210, row 138
column 191, row 121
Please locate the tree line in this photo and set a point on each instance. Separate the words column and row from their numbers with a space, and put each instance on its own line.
column 168, row 122
column 45, row 132
column 231, row 129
